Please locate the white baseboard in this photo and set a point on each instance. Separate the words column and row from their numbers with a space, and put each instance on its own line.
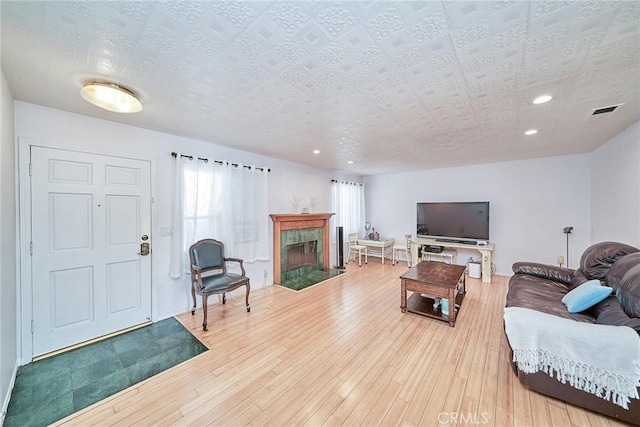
column 7, row 397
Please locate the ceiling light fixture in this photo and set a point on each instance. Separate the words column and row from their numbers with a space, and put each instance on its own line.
column 111, row 97
column 350, row 162
column 542, row 99
column 531, row 132
column 316, row 151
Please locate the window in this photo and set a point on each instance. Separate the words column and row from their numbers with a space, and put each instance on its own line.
column 347, row 199
column 225, row 202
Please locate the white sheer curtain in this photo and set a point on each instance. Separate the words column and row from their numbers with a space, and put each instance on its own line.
column 177, row 250
column 222, row 201
column 246, row 219
column 347, row 201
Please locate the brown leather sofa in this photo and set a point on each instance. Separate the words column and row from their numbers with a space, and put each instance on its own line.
column 541, row 287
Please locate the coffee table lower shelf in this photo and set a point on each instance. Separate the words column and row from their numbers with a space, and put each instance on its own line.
column 422, row 305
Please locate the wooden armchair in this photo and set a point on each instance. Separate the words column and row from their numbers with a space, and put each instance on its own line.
column 209, row 274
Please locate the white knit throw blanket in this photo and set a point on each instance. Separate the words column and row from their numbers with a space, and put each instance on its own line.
column 599, row 359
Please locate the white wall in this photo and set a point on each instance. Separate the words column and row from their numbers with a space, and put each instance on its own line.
column 8, row 227
column 531, row 201
column 75, row 131
column 615, row 188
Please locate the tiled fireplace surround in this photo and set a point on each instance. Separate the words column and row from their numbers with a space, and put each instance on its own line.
column 295, row 229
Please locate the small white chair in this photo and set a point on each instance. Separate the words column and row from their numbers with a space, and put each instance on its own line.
column 406, row 248
column 353, row 247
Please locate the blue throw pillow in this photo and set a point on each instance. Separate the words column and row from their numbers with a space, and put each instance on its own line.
column 586, row 295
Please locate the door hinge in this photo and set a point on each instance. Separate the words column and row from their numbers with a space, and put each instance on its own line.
column 31, row 248
column 30, row 169
column 32, row 327
column 153, row 200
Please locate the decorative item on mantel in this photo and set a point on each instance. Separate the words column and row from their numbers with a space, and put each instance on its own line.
column 295, row 204
column 313, row 203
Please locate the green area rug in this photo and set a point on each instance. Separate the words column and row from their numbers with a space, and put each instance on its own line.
column 313, row 277
column 53, row 388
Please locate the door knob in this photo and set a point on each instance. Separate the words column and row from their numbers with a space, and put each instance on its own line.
column 144, row 249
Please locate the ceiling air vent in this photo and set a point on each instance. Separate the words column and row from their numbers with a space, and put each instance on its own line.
column 605, row 110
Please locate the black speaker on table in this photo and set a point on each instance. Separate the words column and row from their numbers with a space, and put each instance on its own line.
column 340, row 248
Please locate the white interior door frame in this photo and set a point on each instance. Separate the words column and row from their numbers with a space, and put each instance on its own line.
column 25, row 294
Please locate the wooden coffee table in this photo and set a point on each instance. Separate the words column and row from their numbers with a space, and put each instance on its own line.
column 437, row 280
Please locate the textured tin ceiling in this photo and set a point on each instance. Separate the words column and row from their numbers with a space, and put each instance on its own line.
column 391, row 86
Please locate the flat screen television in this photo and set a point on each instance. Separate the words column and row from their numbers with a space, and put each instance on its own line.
column 464, row 222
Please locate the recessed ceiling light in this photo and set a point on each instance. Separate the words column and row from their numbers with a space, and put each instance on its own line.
column 531, row 132
column 542, row 99
column 316, row 151
column 111, row 97
column 350, row 162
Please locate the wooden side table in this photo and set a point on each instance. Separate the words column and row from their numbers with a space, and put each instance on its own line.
column 438, row 280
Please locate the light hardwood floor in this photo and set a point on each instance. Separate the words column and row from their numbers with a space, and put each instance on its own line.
column 342, row 353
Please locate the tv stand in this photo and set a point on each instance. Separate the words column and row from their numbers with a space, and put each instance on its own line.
column 485, row 251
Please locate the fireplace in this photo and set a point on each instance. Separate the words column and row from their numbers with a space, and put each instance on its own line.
column 302, row 255
column 300, row 244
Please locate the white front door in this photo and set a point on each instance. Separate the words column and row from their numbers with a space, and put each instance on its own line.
column 90, row 214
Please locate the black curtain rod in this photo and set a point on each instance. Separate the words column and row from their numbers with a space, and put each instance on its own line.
column 347, row 182
column 220, row 162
